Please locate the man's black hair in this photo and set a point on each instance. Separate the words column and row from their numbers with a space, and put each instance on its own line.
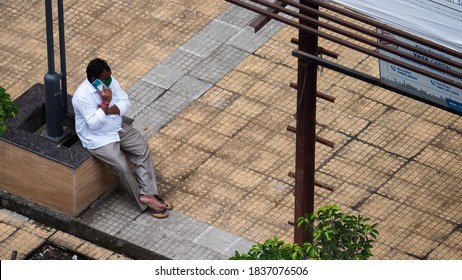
column 96, row 67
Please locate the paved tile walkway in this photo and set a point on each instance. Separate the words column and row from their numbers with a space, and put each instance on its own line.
column 212, row 99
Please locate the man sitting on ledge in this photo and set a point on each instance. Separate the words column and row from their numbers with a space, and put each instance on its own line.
column 99, row 103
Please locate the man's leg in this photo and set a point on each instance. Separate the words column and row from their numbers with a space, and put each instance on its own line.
column 137, row 152
column 113, row 155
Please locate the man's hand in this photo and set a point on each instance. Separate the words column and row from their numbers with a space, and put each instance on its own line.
column 106, row 95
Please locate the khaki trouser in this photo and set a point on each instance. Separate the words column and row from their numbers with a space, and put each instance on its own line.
column 132, row 147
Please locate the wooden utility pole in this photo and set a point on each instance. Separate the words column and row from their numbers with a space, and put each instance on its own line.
column 306, row 129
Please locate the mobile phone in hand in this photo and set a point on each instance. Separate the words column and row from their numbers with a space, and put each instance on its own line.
column 99, row 85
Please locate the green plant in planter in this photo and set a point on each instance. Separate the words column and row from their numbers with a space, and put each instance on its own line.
column 8, row 109
column 336, row 236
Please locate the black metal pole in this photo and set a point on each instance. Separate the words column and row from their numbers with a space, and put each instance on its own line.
column 306, row 131
column 49, row 30
column 62, row 53
column 53, row 99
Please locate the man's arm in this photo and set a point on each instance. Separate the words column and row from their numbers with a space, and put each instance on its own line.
column 86, row 108
column 113, row 110
column 122, row 102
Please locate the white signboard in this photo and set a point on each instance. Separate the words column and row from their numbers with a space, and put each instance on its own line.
column 436, row 20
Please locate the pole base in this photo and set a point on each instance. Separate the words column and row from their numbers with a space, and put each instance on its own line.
column 57, row 139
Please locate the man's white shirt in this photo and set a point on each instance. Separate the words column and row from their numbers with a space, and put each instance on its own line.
column 93, row 126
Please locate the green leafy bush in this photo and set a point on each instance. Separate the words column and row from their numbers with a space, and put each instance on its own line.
column 336, row 236
column 8, row 109
column 272, row 249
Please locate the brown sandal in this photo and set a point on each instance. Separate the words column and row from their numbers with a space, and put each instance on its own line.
column 168, row 205
column 159, row 214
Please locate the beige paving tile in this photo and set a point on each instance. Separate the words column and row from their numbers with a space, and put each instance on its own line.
column 238, row 152
column 398, row 189
column 208, row 140
column 419, row 174
column 417, row 245
column 385, row 252
column 256, row 66
column 410, row 106
column 372, row 157
column 349, row 124
column 227, row 124
column 281, row 144
column 66, row 240
column 391, row 235
column 260, row 232
column 439, row 159
column 256, row 206
column 207, row 211
column 255, row 134
column 286, row 34
column 182, row 200
column 455, row 240
column 211, row 10
column 22, row 242
column 445, row 252
column 450, row 141
column 264, row 162
column 378, row 135
column 276, row 119
column 217, row 167
column 225, row 194
column 405, row 146
column 439, row 116
column 94, row 252
column 383, row 96
column 162, row 146
column 6, row 231
column 277, row 96
column 273, row 49
column 10, row 218
column 282, row 172
column 420, row 222
column 39, row 230
column 379, row 207
column 424, row 130
column 172, row 173
column 355, row 173
column 187, row 156
column 218, row 97
column 456, row 125
column 281, row 75
column 246, row 108
column 347, row 194
column 276, row 191
column 199, row 112
column 245, row 178
column 199, row 184
column 237, row 221
column 236, row 82
column 451, row 209
column 180, row 129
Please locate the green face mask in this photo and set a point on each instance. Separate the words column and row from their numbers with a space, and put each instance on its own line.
column 108, row 81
